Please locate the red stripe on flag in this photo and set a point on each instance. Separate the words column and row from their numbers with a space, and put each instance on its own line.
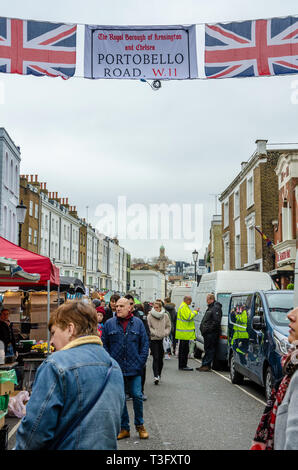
column 228, row 35
column 59, row 36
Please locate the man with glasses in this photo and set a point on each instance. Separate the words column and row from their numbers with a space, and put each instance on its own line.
column 136, row 310
column 125, row 339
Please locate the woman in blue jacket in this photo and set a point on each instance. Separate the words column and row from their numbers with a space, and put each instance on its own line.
column 77, row 397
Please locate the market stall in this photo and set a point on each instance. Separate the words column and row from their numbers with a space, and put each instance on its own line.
column 29, row 311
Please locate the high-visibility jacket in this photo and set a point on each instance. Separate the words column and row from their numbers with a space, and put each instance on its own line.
column 240, row 327
column 185, row 325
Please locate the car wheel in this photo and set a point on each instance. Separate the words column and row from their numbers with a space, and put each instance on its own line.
column 236, row 377
column 268, row 383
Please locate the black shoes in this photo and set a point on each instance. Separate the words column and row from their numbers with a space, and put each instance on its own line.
column 185, row 368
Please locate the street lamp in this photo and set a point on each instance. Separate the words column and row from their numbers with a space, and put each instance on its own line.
column 21, row 214
column 195, row 255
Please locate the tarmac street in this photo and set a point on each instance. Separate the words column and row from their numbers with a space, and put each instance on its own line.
column 191, row 411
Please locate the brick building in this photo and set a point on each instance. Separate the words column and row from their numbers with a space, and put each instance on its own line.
column 285, row 223
column 215, row 246
column 29, row 194
column 251, row 200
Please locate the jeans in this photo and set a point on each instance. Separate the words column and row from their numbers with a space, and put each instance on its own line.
column 156, row 347
column 210, row 343
column 134, row 384
column 183, row 353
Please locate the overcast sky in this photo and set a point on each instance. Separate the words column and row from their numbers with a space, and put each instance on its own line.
column 93, row 141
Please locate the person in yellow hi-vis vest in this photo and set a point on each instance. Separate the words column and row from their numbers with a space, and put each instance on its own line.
column 185, row 331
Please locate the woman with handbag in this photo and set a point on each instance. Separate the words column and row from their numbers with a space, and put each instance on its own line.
column 160, row 327
column 78, row 393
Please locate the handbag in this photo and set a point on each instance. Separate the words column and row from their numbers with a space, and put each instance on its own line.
column 166, row 343
column 84, row 413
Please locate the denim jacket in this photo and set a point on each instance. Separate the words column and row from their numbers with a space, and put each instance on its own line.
column 65, row 382
column 129, row 349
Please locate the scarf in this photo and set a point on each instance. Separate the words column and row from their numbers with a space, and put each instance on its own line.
column 157, row 315
column 89, row 339
column 124, row 321
column 264, row 437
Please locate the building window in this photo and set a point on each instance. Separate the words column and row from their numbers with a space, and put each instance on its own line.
column 6, row 170
column 237, row 252
column 250, row 191
column 11, row 175
column 46, row 222
column 226, row 214
column 286, row 223
column 30, row 208
column 250, row 245
column 35, row 237
column 16, row 179
column 226, row 243
column 236, row 204
column 36, row 211
column 30, row 235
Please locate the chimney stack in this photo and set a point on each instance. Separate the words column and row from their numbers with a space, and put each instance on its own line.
column 261, row 146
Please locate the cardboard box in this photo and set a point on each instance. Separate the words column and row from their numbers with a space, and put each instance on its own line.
column 6, row 388
column 12, row 299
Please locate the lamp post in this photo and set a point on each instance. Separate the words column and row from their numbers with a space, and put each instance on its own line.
column 195, row 255
column 21, row 214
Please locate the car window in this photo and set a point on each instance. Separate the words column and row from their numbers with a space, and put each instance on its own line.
column 279, row 306
column 224, row 299
column 239, row 304
column 259, row 307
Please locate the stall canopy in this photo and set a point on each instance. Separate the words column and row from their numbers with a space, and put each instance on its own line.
column 30, row 263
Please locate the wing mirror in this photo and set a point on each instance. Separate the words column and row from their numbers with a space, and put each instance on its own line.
column 258, row 323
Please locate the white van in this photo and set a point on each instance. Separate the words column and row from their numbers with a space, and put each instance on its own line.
column 178, row 293
column 222, row 284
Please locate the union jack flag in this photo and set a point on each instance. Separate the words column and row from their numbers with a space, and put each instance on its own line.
column 252, row 48
column 37, row 48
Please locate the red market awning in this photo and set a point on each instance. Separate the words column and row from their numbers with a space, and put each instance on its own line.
column 29, row 262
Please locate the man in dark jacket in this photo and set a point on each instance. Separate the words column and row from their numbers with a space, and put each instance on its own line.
column 138, row 312
column 6, row 333
column 210, row 329
column 126, row 340
column 110, row 310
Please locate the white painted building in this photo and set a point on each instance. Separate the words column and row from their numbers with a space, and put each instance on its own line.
column 148, row 284
column 10, row 158
column 60, row 236
column 92, row 272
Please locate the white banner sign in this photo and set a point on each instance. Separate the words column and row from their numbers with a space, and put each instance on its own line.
column 139, row 52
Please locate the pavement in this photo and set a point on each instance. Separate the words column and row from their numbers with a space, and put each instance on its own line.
column 191, row 411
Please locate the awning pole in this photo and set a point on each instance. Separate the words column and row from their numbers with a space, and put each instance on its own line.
column 48, row 315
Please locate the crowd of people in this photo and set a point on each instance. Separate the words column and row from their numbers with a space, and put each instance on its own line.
column 109, row 345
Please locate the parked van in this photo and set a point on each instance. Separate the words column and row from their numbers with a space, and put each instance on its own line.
column 257, row 335
column 222, row 284
column 178, row 293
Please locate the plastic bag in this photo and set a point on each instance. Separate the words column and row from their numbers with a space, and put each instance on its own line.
column 16, row 406
column 8, row 376
column 166, row 344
